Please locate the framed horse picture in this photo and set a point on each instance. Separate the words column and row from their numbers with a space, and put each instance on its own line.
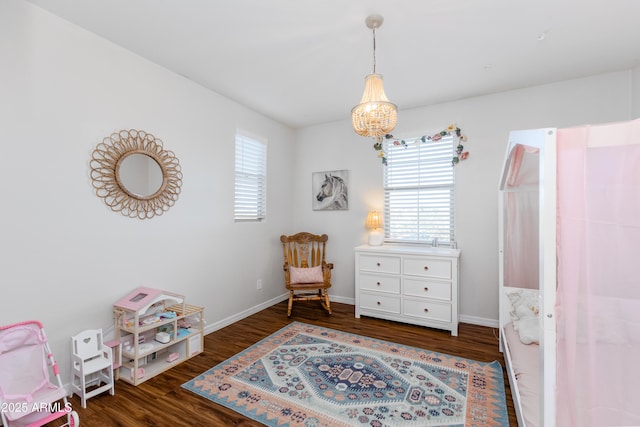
column 330, row 190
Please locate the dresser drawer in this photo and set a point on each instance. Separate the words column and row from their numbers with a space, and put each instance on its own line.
column 380, row 302
column 382, row 264
column 427, row 310
column 427, row 267
column 379, row 283
column 427, row 289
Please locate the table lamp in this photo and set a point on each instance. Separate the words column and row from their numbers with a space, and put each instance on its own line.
column 374, row 223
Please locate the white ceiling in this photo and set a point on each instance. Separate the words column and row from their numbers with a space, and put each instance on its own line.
column 303, row 62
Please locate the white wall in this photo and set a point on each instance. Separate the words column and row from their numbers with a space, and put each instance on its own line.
column 66, row 257
column 487, row 121
column 635, row 92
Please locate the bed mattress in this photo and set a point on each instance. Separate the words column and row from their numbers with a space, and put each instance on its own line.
column 525, row 362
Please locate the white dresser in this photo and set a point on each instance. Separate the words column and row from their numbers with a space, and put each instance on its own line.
column 410, row 284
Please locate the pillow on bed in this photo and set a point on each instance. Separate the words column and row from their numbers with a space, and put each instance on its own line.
column 525, row 307
column 524, row 303
column 305, row 275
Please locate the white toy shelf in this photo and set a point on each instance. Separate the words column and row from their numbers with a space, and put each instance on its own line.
column 156, row 330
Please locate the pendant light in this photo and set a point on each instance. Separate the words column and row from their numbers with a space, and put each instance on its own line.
column 374, row 116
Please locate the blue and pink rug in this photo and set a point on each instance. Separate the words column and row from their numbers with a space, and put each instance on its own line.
column 305, row 375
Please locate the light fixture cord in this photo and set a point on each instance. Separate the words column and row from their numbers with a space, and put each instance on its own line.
column 374, row 49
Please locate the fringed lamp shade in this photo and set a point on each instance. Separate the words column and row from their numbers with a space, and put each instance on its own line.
column 375, row 116
column 374, row 223
column 373, row 220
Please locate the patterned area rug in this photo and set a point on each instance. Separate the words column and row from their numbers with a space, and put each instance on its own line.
column 305, row 375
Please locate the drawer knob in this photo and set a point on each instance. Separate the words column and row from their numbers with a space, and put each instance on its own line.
column 378, row 303
column 378, row 283
column 426, row 268
column 378, row 264
column 426, row 310
column 426, row 289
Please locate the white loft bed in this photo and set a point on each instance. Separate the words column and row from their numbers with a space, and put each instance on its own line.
column 532, row 154
column 569, row 212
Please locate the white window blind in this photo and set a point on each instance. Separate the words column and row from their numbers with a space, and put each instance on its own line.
column 250, row 180
column 419, row 191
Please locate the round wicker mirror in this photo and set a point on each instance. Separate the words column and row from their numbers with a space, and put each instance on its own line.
column 135, row 175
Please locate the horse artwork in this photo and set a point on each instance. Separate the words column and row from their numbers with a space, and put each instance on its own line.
column 330, row 191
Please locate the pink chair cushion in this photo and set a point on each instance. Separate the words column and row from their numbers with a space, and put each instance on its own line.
column 305, row 275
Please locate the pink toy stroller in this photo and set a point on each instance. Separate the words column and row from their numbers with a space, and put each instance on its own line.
column 27, row 396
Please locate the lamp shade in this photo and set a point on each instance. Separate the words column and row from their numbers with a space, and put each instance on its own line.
column 373, row 220
column 375, row 116
column 374, row 223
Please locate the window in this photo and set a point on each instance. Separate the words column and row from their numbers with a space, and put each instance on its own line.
column 251, row 180
column 419, row 192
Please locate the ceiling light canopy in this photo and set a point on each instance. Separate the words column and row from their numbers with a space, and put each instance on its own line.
column 374, row 116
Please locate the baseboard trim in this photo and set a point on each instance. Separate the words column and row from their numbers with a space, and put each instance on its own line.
column 245, row 313
column 480, row 321
column 342, row 300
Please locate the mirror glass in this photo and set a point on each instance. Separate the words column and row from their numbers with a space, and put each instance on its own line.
column 140, row 174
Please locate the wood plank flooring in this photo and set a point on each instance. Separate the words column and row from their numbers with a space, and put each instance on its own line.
column 161, row 401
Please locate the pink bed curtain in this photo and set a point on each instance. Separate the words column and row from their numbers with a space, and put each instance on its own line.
column 598, row 298
column 522, row 199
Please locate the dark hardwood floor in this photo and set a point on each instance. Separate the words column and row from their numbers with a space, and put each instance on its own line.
column 161, row 401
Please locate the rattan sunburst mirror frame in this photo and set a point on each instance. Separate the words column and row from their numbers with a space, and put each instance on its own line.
column 105, row 174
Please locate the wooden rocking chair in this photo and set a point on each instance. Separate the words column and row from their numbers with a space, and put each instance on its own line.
column 307, row 275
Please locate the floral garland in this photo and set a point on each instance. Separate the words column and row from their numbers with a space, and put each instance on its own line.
column 450, row 130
